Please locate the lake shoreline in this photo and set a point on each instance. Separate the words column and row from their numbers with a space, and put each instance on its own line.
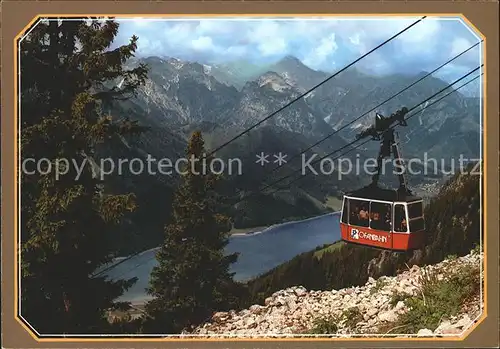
column 261, row 229
column 284, row 224
column 251, row 231
column 256, row 253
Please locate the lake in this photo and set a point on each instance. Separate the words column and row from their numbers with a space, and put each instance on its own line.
column 259, row 252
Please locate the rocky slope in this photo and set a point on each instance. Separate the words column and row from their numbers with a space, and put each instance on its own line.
column 378, row 307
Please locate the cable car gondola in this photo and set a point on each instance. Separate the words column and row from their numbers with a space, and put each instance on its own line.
column 384, row 218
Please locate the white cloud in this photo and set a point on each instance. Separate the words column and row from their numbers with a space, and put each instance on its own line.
column 377, row 63
column 459, row 45
column 354, row 39
column 422, row 38
column 212, row 27
column 273, row 46
column 177, row 33
column 320, row 54
column 237, row 51
column 268, row 36
column 141, row 22
column 424, row 31
column 316, row 41
column 203, row 43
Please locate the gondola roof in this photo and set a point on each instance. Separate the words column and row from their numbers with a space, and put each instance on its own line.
column 377, row 193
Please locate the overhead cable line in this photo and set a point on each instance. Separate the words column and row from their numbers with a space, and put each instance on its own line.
column 352, row 142
column 114, row 265
column 336, row 158
column 315, row 162
column 313, row 88
column 287, row 164
column 408, row 117
column 354, row 148
column 377, row 106
column 286, row 106
column 303, row 95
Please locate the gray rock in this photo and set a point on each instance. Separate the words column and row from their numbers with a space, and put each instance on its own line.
column 464, row 322
column 372, row 312
column 424, row 332
column 387, row 316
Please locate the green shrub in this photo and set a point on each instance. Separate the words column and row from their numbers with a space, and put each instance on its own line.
column 380, row 284
column 438, row 300
column 326, row 325
column 477, row 248
column 352, row 316
column 397, row 297
column 351, row 265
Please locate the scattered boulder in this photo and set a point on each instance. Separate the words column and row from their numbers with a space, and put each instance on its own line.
column 294, row 310
column 425, row 332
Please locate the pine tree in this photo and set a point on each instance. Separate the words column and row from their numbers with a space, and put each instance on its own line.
column 192, row 279
column 69, row 72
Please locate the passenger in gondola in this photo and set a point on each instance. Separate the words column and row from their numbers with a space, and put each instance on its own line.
column 388, row 220
column 363, row 212
column 375, row 221
column 353, row 214
column 404, row 226
column 363, row 216
column 399, row 219
column 401, row 225
column 379, row 222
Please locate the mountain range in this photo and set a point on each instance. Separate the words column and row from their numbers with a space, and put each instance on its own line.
column 224, row 100
column 187, row 95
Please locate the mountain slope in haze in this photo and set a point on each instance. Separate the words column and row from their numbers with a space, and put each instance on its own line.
column 170, row 111
column 188, row 93
column 165, row 104
column 352, row 93
column 180, row 93
column 236, row 73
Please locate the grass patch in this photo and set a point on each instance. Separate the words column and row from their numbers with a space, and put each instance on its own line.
column 328, row 325
column 397, row 297
column 329, row 249
column 438, row 300
column 334, row 203
column 477, row 249
column 352, row 316
column 380, row 284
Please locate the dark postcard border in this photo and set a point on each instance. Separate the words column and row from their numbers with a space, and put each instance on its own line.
column 17, row 14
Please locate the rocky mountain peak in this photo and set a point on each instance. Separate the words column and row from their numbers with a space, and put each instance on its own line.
column 291, row 60
column 275, row 81
column 176, row 63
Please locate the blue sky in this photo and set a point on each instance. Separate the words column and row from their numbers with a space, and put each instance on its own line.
column 326, row 43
